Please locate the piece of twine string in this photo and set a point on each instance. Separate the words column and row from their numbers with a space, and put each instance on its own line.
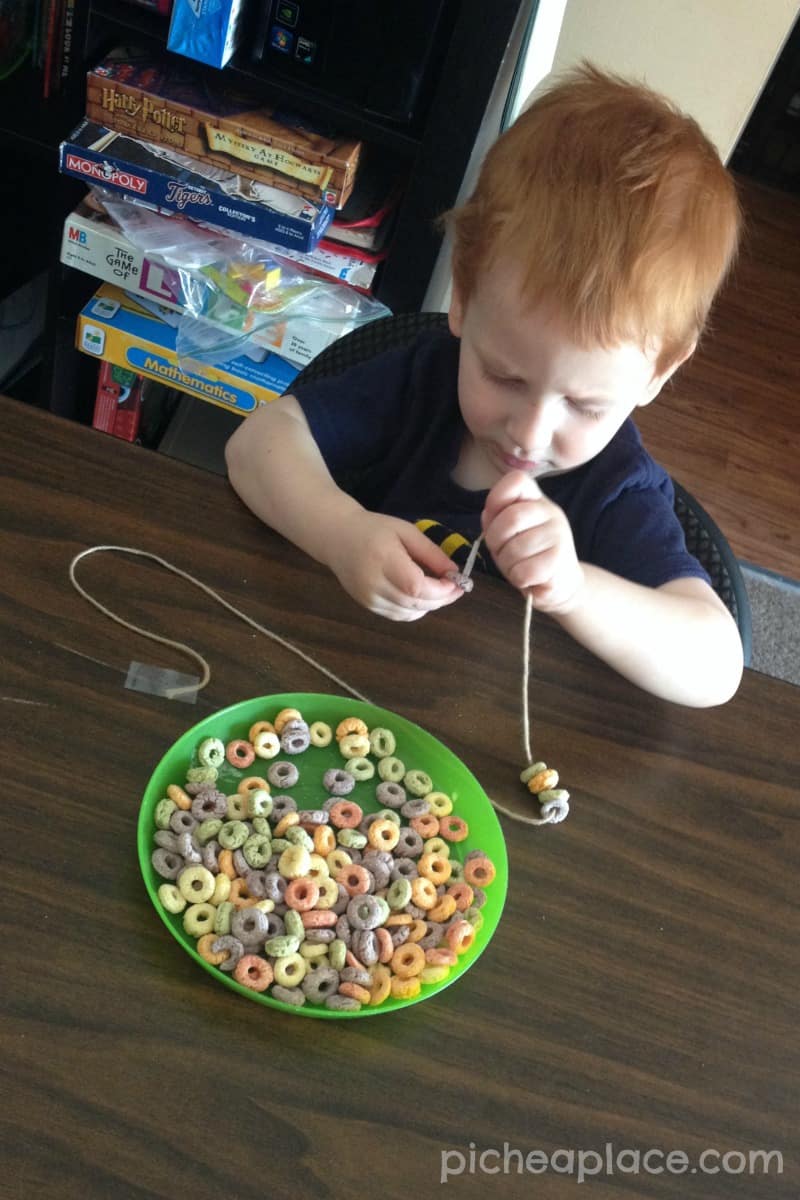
column 552, row 811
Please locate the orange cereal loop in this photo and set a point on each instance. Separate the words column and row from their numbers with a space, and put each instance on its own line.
column 344, row 814
column 225, row 863
column 444, row 910
column 381, row 985
column 352, row 961
column 351, row 725
column 385, row 944
column 543, row 780
column 423, row 892
column 355, row 879
column 318, row 918
column 355, row 991
column 253, row 972
column 462, row 894
column 398, row 919
column 453, row 829
column 460, row 936
column 204, row 945
column 284, row 716
column 251, row 783
column 259, row 727
column 435, row 867
column 479, row 871
column 240, row 895
column 383, row 834
column 439, row 956
column 405, row 989
column 286, row 822
column 408, row 960
column 179, row 797
column 417, row 931
column 301, row 894
column 427, row 825
column 324, row 840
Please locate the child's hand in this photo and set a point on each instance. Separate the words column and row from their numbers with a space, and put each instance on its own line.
column 531, row 542
column 390, row 567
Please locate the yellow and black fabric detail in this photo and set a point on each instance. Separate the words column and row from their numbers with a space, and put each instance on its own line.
column 455, row 545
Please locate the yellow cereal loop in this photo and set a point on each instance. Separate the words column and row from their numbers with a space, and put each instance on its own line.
column 337, row 860
column 196, row 884
column 318, row 868
column 405, row 989
column 199, row 919
column 354, row 745
column 171, row 898
column 294, row 862
column 437, row 845
column 222, row 889
column 439, row 803
column 284, row 716
column 266, row 744
column 328, row 892
column 320, row 734
column 290, row 970
column 434, row 974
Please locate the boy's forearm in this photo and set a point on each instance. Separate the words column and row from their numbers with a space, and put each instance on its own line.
column 683, row 648
column 274, row 465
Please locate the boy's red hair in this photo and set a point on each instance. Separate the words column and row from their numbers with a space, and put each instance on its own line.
column 616, row 205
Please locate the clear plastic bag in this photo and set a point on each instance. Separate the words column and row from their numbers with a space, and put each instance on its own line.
column 239, row 297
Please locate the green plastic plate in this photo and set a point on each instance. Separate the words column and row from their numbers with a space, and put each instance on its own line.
column 415, row 747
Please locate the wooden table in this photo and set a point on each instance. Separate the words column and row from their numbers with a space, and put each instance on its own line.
column 641, row 989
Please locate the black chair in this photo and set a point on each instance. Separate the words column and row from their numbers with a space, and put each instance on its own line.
column 704, row 539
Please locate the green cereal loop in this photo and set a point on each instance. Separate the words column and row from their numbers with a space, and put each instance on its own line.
column 282, row 945
column 211, row 752
column 418, row 783
column 436, row 845
column 208, row 829
column 296, row 836
column 164, row 810
column 171, row 898
column 202, row 775
column 352, row 839
column 384, row 909
column 311, row 951
column 257, row 851
column 237, row 807
column 199, row 919
column 293, row 924
column 399, row 893
column 391, row 769
column 320, row 734
column 382, row 742
column 233, row 834
column 557, row 794
column 279, row 845
column 222, row 920
column 360, row 768
column 337, row 952
column 456, row 871
column 262, row 825
column 389, row 814
column 258, row 803
column 474, row 916
column 532, row 770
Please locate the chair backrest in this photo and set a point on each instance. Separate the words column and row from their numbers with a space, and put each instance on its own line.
column 704, row 539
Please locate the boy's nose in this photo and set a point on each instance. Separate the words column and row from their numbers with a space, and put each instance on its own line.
column 532, row 428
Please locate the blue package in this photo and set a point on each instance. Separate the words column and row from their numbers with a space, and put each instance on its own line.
column 205, row 30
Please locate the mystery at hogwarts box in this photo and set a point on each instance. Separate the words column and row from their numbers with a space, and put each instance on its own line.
column 172, row 104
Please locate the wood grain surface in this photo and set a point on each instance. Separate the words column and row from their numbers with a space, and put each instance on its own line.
column 640, row 990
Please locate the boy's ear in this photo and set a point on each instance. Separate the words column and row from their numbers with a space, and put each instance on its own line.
column 658, row 381
column 455, row 313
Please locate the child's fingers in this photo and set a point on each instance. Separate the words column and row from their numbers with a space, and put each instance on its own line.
column 510, row 489
column 411, row 588
column 423, row 551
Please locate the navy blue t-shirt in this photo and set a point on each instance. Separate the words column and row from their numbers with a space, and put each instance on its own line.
column 390, row 430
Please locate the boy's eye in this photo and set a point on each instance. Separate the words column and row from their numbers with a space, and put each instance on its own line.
column 584, row 410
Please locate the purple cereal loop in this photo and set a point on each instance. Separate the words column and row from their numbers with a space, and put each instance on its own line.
column 295, row 725
column 187, row 848
column 293, row 996
column 341, row 904
column 355, row 855
column 209, row 803
column 433, row 937
column 478, row 897
column 355, row 975
column 419, row 914
column 417, row 807
column 250, row 926
column 378, row 869
column 208, row 856
column 365, row 946
column 409, row 844
column 275, row 925
column 313, row 816
column 342, row 1003
column 234, row 948
column 240, row 863
column 256, row 883
column 166, row 863
column 399, row 934
column 166, row 840
column 474, row 854
column 275, row 886
column 319, row 937
column 282, row 774
column 343, row 931
column 319, row 983
column 338, row 782
column 182, row 821
column 365, row 912
column 390, row 795
column 404, row 868
column 280, row 806
column 294, row 741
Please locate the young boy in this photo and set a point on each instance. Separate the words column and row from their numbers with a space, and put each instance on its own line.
column 584, row 267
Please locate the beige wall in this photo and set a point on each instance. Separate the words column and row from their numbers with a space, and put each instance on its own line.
column 712, row 57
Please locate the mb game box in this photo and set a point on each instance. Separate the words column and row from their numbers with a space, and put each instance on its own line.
column 172, row 104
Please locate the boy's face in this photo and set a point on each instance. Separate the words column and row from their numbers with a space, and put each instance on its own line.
column 532, row 400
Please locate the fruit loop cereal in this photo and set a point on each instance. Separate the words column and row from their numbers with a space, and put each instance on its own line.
column 361, row 896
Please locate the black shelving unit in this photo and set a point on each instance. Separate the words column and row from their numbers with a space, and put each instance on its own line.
column 430, row 156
